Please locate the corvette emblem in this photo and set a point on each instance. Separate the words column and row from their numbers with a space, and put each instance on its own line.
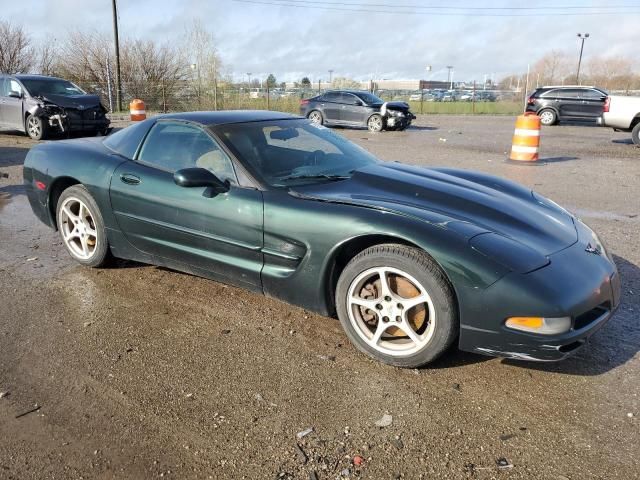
column 591, row 249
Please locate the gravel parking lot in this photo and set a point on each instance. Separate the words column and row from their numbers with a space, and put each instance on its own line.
column 142, row 372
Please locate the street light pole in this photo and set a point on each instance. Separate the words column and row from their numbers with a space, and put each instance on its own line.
column 450, row 77
column 582, row 37
column 114, row 9
column 248, row 80
column 330, row 76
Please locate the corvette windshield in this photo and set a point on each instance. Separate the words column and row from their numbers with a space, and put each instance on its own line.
column 41, row 87
column 294, row 152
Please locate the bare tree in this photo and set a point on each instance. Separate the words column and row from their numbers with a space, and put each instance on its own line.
column 204, row 59
column 46, row 59
column 551, row 69
column 611, row 73
column 344, row 82
column 16, row 52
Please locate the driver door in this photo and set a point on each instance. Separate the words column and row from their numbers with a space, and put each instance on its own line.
column 180, row 226
column 11, row 106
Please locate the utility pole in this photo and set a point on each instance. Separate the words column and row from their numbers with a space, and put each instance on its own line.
column 450, row 77
column 117, row 45
column 583, row 37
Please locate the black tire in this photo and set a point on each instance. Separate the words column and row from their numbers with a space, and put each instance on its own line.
column 98, row 246
column 35, row 127
column 375, row 123
column 316, row 117
column 548, row 117
column 635, row 134
column 419, row 265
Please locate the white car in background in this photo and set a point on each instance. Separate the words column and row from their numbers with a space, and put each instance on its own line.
column 622, row 114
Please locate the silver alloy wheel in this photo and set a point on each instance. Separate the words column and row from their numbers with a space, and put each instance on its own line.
column 375, row 123
column 315, row 117
column 33, row 126
column 547, row 118
column 386, row 315
column 78, row 228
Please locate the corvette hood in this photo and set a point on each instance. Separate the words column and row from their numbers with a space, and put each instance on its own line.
column 80, row 102
column 469, row 202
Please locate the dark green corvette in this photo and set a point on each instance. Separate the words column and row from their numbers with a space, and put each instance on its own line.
column 410, row 259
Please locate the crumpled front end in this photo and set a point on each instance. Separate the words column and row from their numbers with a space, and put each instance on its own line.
column 397, row 115
column 65, row 119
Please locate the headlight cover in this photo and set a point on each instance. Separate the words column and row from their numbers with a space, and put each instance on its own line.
column 540, row 325
column 509, row 253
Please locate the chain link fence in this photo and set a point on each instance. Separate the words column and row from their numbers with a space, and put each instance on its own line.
column 181, row 95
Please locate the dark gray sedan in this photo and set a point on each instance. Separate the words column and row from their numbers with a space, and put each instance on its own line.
column 39, row 106
column 354, row 108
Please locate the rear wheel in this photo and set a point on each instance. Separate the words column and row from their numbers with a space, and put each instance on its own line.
column 36, row 128
column 548, row 117
column 397, row 306
column 635, row 134
column 316, row 117
column 81, row 227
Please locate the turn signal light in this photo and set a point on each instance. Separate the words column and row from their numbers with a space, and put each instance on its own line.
column 541, row 325
column 40, row 185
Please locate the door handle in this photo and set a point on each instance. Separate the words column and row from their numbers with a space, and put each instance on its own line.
column 129, row 179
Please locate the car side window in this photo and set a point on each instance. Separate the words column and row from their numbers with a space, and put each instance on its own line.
column 332, row 97
column 590, row 94
column 349, row 99
column 571, row 93
column 14, row 86
column 172, row 146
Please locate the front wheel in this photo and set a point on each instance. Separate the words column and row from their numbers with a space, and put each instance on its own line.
column 375, row 123
column 548, row 117
column 81, row 227
column 36, row 128
column 397, row 306
column 635, row 134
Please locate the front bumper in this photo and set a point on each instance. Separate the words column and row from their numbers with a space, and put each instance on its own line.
column 584, row 286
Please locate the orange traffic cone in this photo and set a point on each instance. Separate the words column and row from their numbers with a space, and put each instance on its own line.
column 526, row 140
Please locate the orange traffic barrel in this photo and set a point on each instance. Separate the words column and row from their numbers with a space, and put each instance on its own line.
column 137, row 111
column 526, row 140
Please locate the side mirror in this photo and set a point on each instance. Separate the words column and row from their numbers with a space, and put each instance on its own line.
column 14, row 94
column 359, row 103
column 200, row 177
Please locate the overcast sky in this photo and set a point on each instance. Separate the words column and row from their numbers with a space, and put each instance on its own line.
column 291, row 42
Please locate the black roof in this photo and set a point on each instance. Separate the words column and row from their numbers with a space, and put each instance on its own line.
column 348, row 90
column 229, row 116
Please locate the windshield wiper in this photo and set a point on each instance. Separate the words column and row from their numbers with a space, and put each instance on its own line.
column 320, row 176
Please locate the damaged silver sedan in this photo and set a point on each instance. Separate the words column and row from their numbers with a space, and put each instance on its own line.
column 42, row 106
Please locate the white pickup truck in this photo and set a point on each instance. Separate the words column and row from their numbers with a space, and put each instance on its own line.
column 622, row 113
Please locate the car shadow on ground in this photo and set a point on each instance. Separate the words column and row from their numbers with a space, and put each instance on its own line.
column 624, row 141
column 9, row 191
column 617, row 342
column 421, row 128
column 558, row 159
